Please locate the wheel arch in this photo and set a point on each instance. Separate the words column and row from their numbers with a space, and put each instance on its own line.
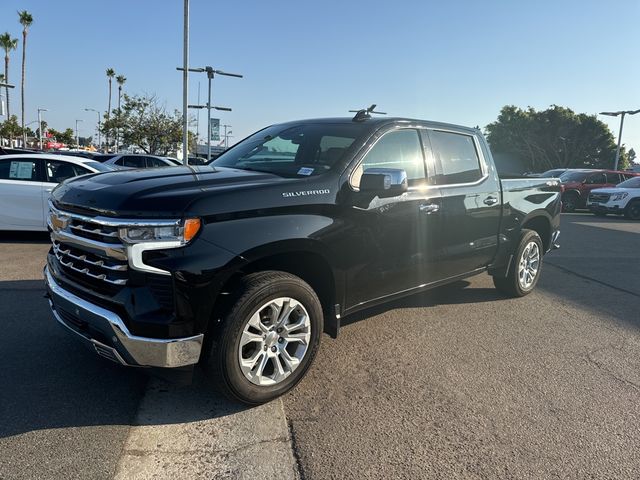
column 303, row 259
column 541, row 224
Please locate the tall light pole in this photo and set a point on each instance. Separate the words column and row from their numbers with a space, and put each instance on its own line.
column 185, row 86
column 621, row 113
column 210, row 74
column 40, row 110
column 226, row 136
column 94, row 110
column 77, row 137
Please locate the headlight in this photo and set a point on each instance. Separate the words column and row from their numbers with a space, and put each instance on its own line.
column 619, row 196
column 181, row 233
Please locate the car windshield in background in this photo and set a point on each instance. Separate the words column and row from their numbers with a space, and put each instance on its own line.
column 574, row 176
column 101, row 167
column 553, row 173
column 631, row 183
column 295, row 151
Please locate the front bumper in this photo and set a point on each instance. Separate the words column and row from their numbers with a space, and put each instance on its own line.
column 106, row 333
column 605, row 208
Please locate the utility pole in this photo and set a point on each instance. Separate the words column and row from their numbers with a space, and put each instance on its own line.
column 40, row 126
column 185, row 86
column 94, row 110
column 77, row 137
column 210, row 73
column 621, row 114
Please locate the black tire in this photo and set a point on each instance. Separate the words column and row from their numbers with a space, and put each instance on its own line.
column 223, row 361
column 569, row 202
column 632, row 210
column 511, row 284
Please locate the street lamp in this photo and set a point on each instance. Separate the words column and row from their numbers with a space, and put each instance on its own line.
column 210, row 73
column 621, row 113
column 226, row 135
column 94, row 110
column 77, row 137
column 40, row 110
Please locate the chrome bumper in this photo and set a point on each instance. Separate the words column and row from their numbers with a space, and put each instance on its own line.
column 114, row 341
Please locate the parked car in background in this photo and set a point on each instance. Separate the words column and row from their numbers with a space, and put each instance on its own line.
column 130, row 160
column 554, row 173
column 103, row 157
column 16, row 151
column 576, row 185
column 623, row 199
column 26, row 181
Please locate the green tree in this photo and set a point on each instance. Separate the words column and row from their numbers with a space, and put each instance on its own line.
column 146, row 124
column 553, row 138
column 26, row 20
column 67, row 137
column 10, row 128
column 7, row 44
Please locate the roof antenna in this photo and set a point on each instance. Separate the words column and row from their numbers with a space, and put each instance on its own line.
column 365, row 113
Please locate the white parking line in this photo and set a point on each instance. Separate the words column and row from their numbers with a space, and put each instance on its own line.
column 192, row 432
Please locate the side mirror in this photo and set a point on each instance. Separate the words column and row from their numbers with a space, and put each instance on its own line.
column 384, row 182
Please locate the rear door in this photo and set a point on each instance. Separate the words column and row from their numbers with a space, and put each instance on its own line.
column 21, row 192
column 471, row 202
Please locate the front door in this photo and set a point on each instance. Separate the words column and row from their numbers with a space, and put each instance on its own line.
column 393, row 241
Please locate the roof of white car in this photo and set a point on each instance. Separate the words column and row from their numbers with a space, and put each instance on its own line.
column 49, row 156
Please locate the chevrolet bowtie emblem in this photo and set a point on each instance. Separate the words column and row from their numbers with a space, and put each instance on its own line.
column 59, row 222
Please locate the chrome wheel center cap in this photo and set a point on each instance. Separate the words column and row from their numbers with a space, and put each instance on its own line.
column 271, row 340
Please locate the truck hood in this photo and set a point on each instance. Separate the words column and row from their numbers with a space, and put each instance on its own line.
column 162, row 192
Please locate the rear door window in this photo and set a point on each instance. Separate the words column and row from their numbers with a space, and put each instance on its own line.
column 133, row 162
column 613, row 178
column 456, row 158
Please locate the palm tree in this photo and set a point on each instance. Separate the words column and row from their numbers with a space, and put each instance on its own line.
column 110, row 74
column 7, row 43
column 25, row 20
column 120, row 79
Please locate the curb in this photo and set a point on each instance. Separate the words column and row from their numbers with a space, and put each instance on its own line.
column 193, row 432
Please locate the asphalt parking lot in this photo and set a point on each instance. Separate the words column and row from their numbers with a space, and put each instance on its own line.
column 456, row 383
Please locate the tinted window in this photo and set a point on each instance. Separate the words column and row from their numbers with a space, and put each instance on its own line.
column 57, row 171
column 613, row 178
column 133, row 162
column 101, row 167
column 398, row 149
column 23, row 169
column 570, row 176
column 596, row 179
column 456, row 158
column 155, row 162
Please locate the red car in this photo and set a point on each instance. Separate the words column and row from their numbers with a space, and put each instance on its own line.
column 577, row 183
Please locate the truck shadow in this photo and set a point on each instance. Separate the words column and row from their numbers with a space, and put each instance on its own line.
column 49, row 380
column 25, row 237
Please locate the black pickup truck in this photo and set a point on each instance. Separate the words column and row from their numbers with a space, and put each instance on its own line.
column 242, row 264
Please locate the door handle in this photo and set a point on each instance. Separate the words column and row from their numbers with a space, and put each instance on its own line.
column 429, row 208
column 48, row 190
column 490, row 201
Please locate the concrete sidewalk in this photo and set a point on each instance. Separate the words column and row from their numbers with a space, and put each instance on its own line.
column 192, row 432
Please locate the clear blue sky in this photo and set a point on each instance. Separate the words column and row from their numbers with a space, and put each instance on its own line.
column 456, row 61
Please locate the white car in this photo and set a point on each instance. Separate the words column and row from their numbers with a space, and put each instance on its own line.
column 624, row 198
column 26, row 181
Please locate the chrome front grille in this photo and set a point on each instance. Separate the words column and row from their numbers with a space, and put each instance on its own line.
column 599, row 197
column 102, row 233
column 107, row 270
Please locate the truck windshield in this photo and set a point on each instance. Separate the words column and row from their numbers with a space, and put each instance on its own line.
column 631, row 183
column 293, row 150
